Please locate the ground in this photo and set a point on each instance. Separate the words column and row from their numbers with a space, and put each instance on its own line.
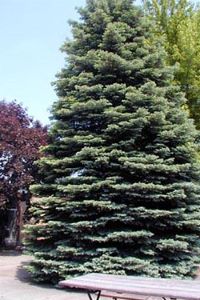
column 16, row 284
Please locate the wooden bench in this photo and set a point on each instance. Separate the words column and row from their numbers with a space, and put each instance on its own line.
column 132, row 287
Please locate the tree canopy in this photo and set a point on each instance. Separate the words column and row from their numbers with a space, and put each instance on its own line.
column 178, row 24
column 20, row 140
column 120, row 188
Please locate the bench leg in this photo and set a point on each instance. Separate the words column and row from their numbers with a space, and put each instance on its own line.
column 169, row 298
column 97, row 294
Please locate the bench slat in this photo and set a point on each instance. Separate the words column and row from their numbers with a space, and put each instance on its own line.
column 126, row 278
column 178, row 284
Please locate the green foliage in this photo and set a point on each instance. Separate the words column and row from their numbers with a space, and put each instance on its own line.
column 178, row 24
column 120, row 189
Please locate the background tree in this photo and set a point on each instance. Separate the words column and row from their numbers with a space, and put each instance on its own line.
column 120, row 188
column 20, row 140
column 178, row 24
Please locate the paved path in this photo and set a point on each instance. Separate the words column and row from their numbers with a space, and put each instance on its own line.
column 15, row 283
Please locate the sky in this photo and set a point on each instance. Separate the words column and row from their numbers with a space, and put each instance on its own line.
column 31, row 33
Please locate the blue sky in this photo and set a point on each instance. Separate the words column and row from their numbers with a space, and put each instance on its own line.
column 31, row 33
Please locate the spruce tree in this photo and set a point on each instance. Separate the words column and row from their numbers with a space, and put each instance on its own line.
column 120, row 190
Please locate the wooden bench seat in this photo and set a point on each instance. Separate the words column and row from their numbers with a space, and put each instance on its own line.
column 132, row 287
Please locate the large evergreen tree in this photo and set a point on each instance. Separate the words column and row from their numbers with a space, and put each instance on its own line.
column 120, row 192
